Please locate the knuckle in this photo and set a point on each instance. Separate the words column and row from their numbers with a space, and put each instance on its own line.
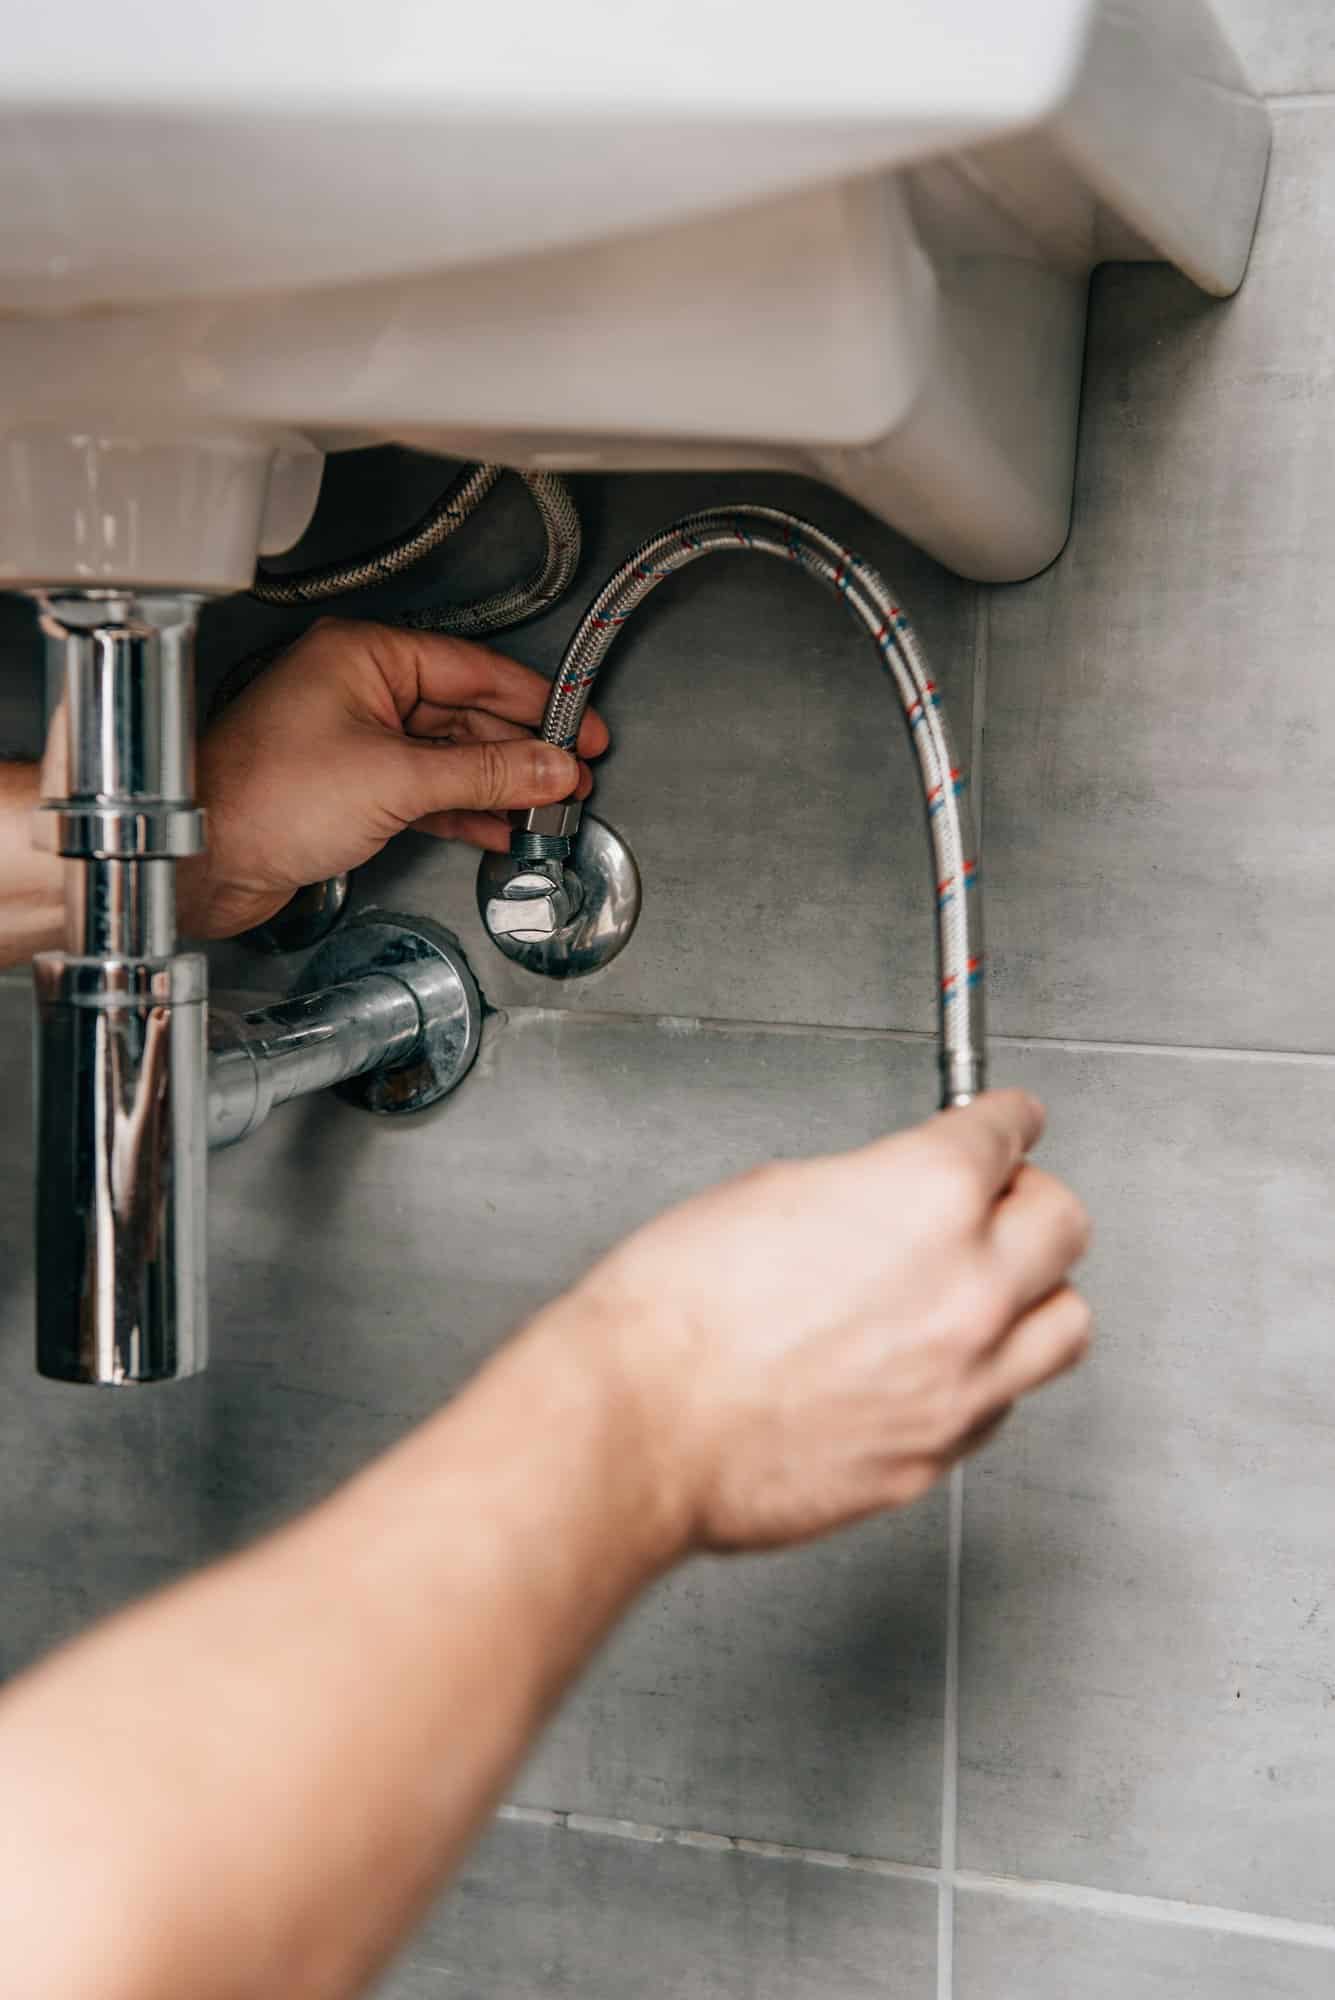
column 1079, row 1326
column 953, row 1181
column 1059, row 1341
column 945, row 1418
column 1064, row 1217
column 982, row 1308
column 1082, row 1315
column 1082, row 1224
column 1065, row 1200
column 912, row 1481
column 493, row 775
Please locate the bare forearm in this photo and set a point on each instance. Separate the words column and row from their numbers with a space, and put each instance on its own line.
column 249, row 1788
column 30, row 882
column 261, row 1777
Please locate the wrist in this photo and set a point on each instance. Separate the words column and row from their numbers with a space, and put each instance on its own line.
column 198, row 876
column 215, row 897
column 589, row 1348
column 32, row 896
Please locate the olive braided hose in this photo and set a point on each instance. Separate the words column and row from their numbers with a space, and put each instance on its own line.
column 769, row 531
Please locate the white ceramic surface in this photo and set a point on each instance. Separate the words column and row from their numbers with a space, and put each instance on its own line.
column 723, row 233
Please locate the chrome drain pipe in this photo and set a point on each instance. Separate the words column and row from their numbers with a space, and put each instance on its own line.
column 120, row 1050
column 128, row 1098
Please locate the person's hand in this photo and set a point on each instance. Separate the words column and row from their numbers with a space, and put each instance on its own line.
column 821, row 1340
column 357, row 732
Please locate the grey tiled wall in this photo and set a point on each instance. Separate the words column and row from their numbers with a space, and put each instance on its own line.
column 729, row 1925
column 1066, row 1731
column 1287, row 46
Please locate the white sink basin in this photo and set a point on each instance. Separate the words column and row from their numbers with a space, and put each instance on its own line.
column 854, row 241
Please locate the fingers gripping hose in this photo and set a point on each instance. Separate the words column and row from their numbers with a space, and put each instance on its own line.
column 768, row 531
column 763, row 531
column 560, row 523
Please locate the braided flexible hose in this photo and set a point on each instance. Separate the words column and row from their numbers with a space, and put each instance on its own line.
column 549, row 581
column 768, row 531
column 560, row 522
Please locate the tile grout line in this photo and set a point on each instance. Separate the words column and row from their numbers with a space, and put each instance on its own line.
column 720, row 1843
column 950, row 1741
column 1013, row 1888
column 687, row 1025
column 950, row 1699
column 1149, row 1909
column 706, row 1024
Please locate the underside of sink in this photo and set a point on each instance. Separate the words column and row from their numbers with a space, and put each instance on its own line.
column 607, row 249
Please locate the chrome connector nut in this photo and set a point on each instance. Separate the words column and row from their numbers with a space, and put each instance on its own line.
column 558, row 822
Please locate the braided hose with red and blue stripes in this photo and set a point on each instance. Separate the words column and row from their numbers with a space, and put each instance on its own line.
column 769, row 531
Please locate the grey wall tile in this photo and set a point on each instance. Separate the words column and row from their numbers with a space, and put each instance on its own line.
column 1148, row 1628
column 360, row 1271
column 1161, row 716
column 585, row 1917
column 760, row 769
column 1008, row 1950
column 1285, row 45
column 797, row 1698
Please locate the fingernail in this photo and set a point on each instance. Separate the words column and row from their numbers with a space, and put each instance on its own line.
column 555, row 767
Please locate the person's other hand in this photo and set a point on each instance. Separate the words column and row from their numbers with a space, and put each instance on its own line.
column 821, row 1340
column 357, row 732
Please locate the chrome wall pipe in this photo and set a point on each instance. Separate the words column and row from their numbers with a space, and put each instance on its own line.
column 396, row 1028
column 128, row 1097
column 312, row 1042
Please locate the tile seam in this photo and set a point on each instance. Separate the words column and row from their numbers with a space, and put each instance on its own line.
column 731, row 1843
column 950, row 1737
column 1168, row 1911
column 950, row 1703
column 687, row 1025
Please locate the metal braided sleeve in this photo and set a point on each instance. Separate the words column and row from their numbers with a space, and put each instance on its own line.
column 769, row 531
column 312, row 586
column 550, row 581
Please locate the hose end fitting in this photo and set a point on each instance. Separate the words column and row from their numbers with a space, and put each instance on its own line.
column 546, row 833
column 963, row 1077
column 539, row 846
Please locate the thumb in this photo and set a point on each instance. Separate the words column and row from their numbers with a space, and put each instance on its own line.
column 438, row 777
